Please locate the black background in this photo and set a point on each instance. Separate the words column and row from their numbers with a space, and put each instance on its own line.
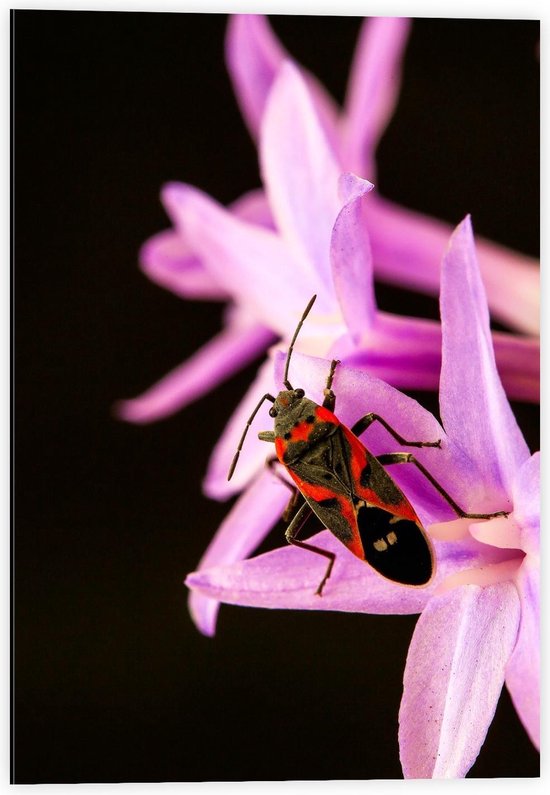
column 112, row 681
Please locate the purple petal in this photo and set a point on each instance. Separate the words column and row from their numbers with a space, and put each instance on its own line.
column 406, row 352
column 253, row 55
column 453, row 678
column 490, row 573
column 474, row 408
column 372, row 90
column 523, row 671
column 254, row 452
column 358, row 393
column 526, row 494
column 287, row 578
column 252, row 263
column 502, row 531
column 243, row 529
column 167, row 259
column 253, row 206
column 234, row 347
column 521, row 530
column 351, row 258
column 407, row 248
column 300, row 172
column 518, row 363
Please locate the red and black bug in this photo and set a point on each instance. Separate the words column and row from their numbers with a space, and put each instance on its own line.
column 346, row 486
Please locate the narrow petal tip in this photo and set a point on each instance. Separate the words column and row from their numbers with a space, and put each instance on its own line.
column 131, row 411
column 203, row 611
column 463, row 234
column 253, row 54
column 350, row 186
column 171, row 189
column 179, row 196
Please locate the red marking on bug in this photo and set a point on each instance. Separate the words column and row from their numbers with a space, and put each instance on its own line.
column 325, row 415
column 354, row 544
column 345, row 508
column 280, row 447
column 358, row 461
column 300, row 433
column 317, row 493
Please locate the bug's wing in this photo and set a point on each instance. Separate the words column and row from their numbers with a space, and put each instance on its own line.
column 325, row 466
column 356, row 499
column 397, row 548
column 324, row 477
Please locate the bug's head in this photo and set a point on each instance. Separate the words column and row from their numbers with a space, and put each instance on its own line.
column 291, row 410
column 287, row 401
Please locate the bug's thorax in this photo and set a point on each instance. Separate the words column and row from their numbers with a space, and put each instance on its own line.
column 299, row 424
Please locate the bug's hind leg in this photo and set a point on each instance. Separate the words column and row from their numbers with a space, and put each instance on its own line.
column 362, row 425
column 292, row 531
column 329, row 400
column 408, row 458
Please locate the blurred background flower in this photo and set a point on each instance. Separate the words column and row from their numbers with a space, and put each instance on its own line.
column 267, row 273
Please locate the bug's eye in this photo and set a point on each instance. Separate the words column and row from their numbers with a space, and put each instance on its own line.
column 273, row 411
column 299, row 393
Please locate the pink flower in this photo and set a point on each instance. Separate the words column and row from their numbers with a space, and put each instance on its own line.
column 270, row 250
column 407, row 246
column 479, row 622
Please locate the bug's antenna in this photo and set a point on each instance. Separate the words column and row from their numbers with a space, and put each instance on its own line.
column 286, row 382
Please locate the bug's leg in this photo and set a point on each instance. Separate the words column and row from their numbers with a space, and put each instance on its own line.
column 295, row 494
column 267, row 396
column 329, row 400
column 408, row 458
column 290, row 509
column 362, row 425
column 292, row 531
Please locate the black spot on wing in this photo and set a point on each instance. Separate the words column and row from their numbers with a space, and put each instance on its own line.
column 398, row 550
column 364, row 477
column 330, row 502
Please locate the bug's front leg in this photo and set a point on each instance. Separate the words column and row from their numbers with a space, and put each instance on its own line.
column 408, row 458
column 362, row 425
column 329, row 400
column 292, row 531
